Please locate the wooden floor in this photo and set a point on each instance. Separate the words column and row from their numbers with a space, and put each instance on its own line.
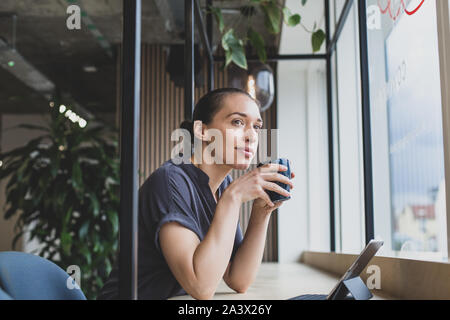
column 282, row 281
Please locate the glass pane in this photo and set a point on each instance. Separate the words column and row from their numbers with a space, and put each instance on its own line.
column 339, row 6
column 317, row 157
column 58, row 70
column 302, row 113
column 408, row 162
column 350, row 218
column 332, row 17
column 312, row 16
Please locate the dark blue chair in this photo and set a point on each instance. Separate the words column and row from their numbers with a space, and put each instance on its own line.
column 4, row 295
column 25, row 276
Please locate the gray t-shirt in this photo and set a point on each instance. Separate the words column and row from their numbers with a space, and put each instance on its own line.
column 172, row 193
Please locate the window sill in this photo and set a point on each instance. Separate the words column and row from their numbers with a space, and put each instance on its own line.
column 402, row 278
column 282, row 281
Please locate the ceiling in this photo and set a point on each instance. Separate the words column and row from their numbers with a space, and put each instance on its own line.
column 61, row 55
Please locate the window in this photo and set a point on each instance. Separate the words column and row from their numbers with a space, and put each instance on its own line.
column 349, row 198
column 408, row 176
column 407, row 135
column 406, row 130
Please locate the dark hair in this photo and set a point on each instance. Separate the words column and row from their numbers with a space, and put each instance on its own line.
column 209, row 105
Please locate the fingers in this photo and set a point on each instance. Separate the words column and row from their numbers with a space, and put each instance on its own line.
column 266, row 198
column 265, row 176
column 273, row 167
column 277, row 177
column 275, row 188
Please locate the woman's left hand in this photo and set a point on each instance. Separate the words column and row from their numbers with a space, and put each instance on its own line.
column 261, row 206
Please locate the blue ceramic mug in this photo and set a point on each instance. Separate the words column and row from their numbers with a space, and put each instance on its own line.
column 274, row 196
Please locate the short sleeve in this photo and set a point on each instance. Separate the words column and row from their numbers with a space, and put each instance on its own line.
column 182, row 219
column 167, row 203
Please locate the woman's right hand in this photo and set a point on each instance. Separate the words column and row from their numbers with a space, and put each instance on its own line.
column 253, row 184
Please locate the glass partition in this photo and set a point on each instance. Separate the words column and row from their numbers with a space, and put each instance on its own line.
column 59, row 164
column 407, row 136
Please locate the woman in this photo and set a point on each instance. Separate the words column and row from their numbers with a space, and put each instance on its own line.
column 189, row 234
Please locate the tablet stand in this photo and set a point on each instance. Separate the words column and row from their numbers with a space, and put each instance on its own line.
column 352, row 289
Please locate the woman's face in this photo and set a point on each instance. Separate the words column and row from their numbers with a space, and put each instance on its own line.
column 239, row 122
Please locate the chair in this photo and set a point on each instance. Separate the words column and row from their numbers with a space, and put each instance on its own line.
column 25, row 276
column 4, row 295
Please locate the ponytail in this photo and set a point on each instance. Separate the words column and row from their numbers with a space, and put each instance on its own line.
column 189, row 126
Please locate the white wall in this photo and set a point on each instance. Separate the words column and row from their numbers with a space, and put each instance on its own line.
column 292, row 217
column 317, row 158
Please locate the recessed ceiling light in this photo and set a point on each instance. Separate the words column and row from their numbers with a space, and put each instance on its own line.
column 18, row 66
column 82, row 123
column 89, row 69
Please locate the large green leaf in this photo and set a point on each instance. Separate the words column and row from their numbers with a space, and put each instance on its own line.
column 95, row 205
column 98, row 247
column 217, row 12
column 113, row 217
column 67, row 218
column 290, row 19
column 234, row 49
column 317, row 40
column 7, row 170
column 66, row 242
column 9, row 213
column 227, row 38
column 55, row 165
column 16, row 238
column 84, row 230
column 257, row 42
column 272, row 16
column 22, row 169
column 76, row 175
column 84, row 250
column 238, row 56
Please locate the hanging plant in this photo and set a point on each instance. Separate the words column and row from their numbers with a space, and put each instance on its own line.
column 274, row 14
column 63, row 188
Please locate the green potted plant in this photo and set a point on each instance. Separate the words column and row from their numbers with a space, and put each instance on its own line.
column 64, row 189
column 235, row 45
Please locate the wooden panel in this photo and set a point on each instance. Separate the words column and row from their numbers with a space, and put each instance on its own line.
column 162, row 111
